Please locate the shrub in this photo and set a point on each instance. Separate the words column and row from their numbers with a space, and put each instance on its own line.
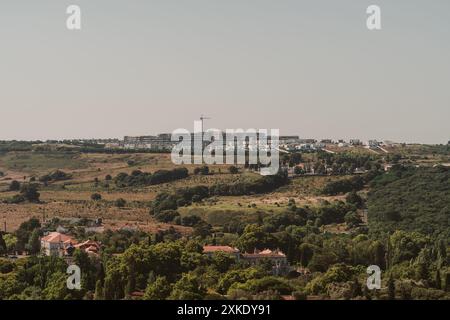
column 30, row 193
column 14, row 186
column 96, row 196
column 120, row 203
column 233, row 170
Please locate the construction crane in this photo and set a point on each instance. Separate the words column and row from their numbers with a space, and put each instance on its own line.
column 202, row 117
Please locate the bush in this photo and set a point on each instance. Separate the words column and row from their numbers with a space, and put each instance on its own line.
column 343, row 186
column 355, row 199
column 14, row 186
column 57, row 175
column 190, row 221
column 16, row 199
column 120, row 203
column 30, row 193
column 233, row 170
column 204, row 170
column 96, row 196
column 299, row 295
column 6, row 266
column 166, row 216
column 139, row 178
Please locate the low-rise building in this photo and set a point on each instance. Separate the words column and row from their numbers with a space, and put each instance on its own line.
column 373, row 143
column 276, row 257
column 61, row 245
column 91, row 247
column 56, row 244
column 210, row 250
column 355, row 142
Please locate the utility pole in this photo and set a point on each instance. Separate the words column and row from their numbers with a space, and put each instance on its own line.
column 202, row 117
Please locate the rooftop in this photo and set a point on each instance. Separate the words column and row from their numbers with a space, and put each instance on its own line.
column 56, row 237
column 209, row 249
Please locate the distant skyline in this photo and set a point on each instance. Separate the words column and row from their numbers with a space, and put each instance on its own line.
column 309, row 68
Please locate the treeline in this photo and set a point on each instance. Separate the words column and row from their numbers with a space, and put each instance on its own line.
column 165, row 266
column 138, row 178
column 354, row 183
column 186, row 196
column 102, row 149
column 348, row 160
column 344, row 163
column 9, row 146
column 57, row 175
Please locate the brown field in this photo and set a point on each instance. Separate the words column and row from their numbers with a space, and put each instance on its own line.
column 72, row 198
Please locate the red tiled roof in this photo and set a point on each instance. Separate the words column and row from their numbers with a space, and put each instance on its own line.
column 209, row 249
column 88, row 244
column 267, row 253
column 56, row 237
column 137, row 294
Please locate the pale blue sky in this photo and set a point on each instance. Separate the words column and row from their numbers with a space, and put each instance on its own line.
column 307, row 67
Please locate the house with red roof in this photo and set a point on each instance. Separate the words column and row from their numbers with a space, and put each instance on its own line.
column 276, row 257
column 55, row 244
column 210, row 250
column 59, row 244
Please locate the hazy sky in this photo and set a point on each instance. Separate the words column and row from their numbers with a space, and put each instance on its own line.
column 306, row 67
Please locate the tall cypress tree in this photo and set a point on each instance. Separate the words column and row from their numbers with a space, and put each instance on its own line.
column 438, row 281
column 99, row 295
column 356, row 289
column 447, row 281
column 3, row 247
column 391, row 288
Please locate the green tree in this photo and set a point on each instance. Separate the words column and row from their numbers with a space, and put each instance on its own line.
column 96, row 196
column 356, row 288
column 391, row 288
column 437, row 280
column 188, row 288
column 3, row 246
column 353, row 198
column 306, row 253
column 14, row 185
column 120, row 203
column 56, row 288
column 233, row 169
column 202, row 229
column 447, row 282
column 99, row 295
column 160, row 289
column 30, row 193
column 34, row 245
column 352, row 219
column 255, row 238
column 114, row 282
column 10, row 241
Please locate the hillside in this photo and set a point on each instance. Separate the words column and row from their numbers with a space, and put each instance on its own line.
column 411, row 199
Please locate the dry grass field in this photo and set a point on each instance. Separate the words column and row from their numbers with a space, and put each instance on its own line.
column 72, row 198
